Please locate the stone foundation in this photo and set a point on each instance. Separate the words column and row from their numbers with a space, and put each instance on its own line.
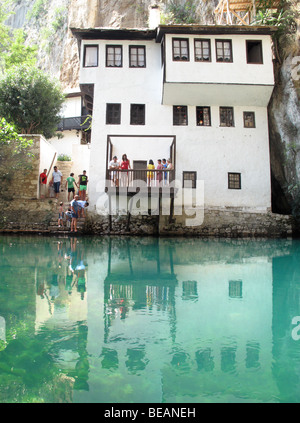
column 25, row 215
column 216, row 223
column 35, row 215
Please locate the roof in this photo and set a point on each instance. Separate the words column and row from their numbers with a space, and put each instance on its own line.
column 158, row 33
column 213, row 29
column 113, row 33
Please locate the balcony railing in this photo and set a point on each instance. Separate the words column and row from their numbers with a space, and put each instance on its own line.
column 77, row 123
column 132, row 177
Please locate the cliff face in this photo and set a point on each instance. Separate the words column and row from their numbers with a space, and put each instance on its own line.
column 47, row 23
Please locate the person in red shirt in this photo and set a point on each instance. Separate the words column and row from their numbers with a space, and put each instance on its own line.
column 125, row 165
column 43, row 183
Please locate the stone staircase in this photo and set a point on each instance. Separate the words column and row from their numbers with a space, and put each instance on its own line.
column 65, row 168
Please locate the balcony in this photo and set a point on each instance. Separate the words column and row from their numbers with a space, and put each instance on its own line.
column 77, row 123
column 138, row 177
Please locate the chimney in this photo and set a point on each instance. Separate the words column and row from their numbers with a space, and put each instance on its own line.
column 154, row 16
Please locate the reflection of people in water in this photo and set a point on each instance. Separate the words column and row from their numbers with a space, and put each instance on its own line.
column 69, row 281
column 81, row 281
column 60, row 254
column 41, row 289
column 54, row 289
column 73, row 254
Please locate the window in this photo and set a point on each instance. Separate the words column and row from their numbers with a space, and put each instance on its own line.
column 224, row 50
column 90, row 56
column 249, row 120
column 234, row 181
column 137, row 114
column 202, row 51
column 137, row 57
column 181, row 49
column 189, row 179
column 180, row 115
column 189, row 290
column 254, row 52
column 226, row 116
column 235, row 289
column 203, row 116
column 114, row 56
column 113, row 114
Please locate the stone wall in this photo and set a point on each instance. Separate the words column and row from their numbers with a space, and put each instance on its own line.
column 24, row 185
column 216, row 223
column 20, row 208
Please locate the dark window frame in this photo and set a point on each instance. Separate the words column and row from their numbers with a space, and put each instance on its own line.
column 261, row 61
column 227, row 108
column 85, row 47
column 137, row 117
column 209, row 115
column 235, row 289
column 180, row 59
column 222, row 60
column 113, row 114
column 130, row 58
column 177, row 115
column 194, row 179
column 114, row 46
column 195, row 48
column 233, row 183
column 253, row 119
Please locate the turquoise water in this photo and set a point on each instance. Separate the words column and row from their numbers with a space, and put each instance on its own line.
column 146, row 320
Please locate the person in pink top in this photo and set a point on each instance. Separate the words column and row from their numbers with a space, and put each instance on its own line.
column 159, row 174
column 125, row 165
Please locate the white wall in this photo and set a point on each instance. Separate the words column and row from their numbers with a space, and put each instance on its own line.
column 237, row 72
column 65, row 145
column 47, row 153
column 81, row 159
column 72, row 107
column 211, row 151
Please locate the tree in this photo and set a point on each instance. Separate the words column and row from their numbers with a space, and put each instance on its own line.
column 31, row 100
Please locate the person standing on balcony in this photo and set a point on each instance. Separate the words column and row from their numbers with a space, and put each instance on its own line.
column 56, row 180
column 82, row 182
column 150, row 175
column 159, row 174
column 115, row 166
column 169, row 167
column 125, row 165
column 164, row 164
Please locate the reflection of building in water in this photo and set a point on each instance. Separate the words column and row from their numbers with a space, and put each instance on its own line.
column 157, row 311
column 190, row 313
column 61, row 302
column 286, row 303
column 138, row 284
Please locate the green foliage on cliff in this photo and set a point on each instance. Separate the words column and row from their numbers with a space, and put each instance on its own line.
column 180, row 13
column 18, row 53
column 31, row 100
column 283, row 18
column 13, row 50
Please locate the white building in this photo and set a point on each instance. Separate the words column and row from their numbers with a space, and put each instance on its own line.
column 196, row 94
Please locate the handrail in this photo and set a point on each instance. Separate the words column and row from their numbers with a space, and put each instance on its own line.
column 75, row 122
column 129, row 177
